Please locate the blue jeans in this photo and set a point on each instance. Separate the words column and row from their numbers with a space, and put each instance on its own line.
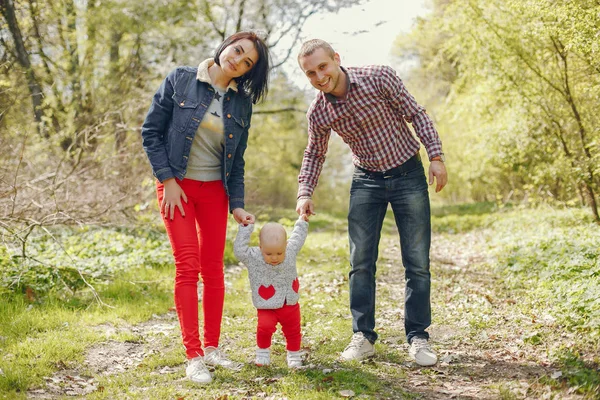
column 369, row 197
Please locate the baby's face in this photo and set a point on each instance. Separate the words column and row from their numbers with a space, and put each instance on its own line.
column 273, row 252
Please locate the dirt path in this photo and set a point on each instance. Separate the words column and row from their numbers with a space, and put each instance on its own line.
column 477, row 331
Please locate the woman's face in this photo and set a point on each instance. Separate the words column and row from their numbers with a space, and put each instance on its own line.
column 238, row 58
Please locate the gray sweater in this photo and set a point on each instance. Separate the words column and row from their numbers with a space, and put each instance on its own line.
column 272, row 285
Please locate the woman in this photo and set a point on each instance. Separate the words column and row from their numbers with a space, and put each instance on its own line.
column 195, row 135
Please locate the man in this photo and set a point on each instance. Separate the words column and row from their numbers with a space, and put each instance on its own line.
column 369, row 109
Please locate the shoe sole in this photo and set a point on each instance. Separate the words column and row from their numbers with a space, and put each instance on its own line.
column 423, row 363
column 231, row 368
column 363, row 357
column 199, row 381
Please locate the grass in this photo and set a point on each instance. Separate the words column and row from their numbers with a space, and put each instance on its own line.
column 546, row 260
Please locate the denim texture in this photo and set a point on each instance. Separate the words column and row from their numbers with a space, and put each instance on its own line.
column 177, row 109
column 409, row 198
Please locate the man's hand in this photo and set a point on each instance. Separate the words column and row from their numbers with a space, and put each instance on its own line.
column 437, row 169
column 243, row 217
column 305, row 208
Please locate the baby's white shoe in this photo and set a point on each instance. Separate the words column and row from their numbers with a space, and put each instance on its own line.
column 263, row 357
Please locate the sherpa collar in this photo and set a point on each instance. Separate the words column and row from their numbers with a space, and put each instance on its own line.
column 203, row 75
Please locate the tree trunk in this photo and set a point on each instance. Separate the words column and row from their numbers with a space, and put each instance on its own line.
column 72, row 48
column 7, row 8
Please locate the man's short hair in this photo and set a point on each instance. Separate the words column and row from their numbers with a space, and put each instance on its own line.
column 310, row 46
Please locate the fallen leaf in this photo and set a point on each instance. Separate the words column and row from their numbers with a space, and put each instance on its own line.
column 556, row 374
column 346, row 393
column 30, row 294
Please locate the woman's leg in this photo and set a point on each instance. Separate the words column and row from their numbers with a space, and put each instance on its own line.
column 212, row 211
column 184, row 242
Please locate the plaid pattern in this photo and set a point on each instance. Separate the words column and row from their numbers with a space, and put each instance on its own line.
column 372, row 120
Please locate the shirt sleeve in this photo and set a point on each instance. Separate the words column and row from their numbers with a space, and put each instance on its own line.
column 298, row 236
column 314, row 155
column 240, row 245
column 155, row 127
column 394, row 90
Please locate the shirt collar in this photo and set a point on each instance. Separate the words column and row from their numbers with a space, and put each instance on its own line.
column 350, row 79
column 203, row 75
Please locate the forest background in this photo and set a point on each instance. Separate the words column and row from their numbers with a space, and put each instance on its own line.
column 513, row 87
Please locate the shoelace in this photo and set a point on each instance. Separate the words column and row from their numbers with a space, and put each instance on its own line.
column 198, row 367
column 295, row 356
column 219, row 357
column 420, row 344
column 356, row 341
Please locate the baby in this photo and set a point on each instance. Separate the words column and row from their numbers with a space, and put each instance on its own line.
column 274, row 283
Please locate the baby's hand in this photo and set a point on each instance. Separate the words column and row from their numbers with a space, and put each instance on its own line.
column 304, row 217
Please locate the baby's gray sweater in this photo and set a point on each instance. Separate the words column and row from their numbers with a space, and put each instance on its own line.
column 272, row 285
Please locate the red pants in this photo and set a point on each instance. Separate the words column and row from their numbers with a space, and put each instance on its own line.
column 288, row 317
column 198, row 243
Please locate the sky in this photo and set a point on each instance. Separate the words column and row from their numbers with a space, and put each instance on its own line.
column 362, row 34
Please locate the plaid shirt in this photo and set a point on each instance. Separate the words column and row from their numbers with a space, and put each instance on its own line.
column 371, row 120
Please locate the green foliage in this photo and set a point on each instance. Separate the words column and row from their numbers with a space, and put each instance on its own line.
column 580, row 375
column 514, row 85
column 60, row 260
column 555, row 254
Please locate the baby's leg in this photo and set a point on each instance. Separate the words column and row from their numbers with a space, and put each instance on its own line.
column 266, row 327
column 289, row 318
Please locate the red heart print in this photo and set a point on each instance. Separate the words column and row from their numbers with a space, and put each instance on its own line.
column 296, row 285
column 266, row 292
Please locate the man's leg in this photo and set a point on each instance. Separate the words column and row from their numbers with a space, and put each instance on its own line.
column 410, row 202
column 365, row 219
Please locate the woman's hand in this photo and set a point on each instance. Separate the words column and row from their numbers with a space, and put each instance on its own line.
column 243, row 217
column 172, row 196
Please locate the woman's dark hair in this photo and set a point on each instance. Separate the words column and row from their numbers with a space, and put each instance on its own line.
column 256, row 81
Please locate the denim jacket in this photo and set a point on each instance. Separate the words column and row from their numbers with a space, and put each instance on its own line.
column 172, row 121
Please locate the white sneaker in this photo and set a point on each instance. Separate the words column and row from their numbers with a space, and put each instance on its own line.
column 421, row 352
column 294, row 359
column 196, row 371
column 263, row 357
column 215, row 357
column 359, row 348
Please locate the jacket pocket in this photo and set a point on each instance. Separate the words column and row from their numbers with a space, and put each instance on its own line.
column 240, row 121
column 183, row 110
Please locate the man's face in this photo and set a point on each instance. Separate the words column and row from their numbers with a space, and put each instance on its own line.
column 322, row 71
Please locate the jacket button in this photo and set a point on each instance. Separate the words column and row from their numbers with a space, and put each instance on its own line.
column 228, row 115
column 227, row 98
column 229, row 155
column 230, row 136
column 182, row 103
column 227, row 174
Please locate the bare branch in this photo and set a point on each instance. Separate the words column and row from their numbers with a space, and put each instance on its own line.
column 280, row 110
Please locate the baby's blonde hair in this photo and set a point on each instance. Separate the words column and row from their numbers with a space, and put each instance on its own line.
column 272, row 232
